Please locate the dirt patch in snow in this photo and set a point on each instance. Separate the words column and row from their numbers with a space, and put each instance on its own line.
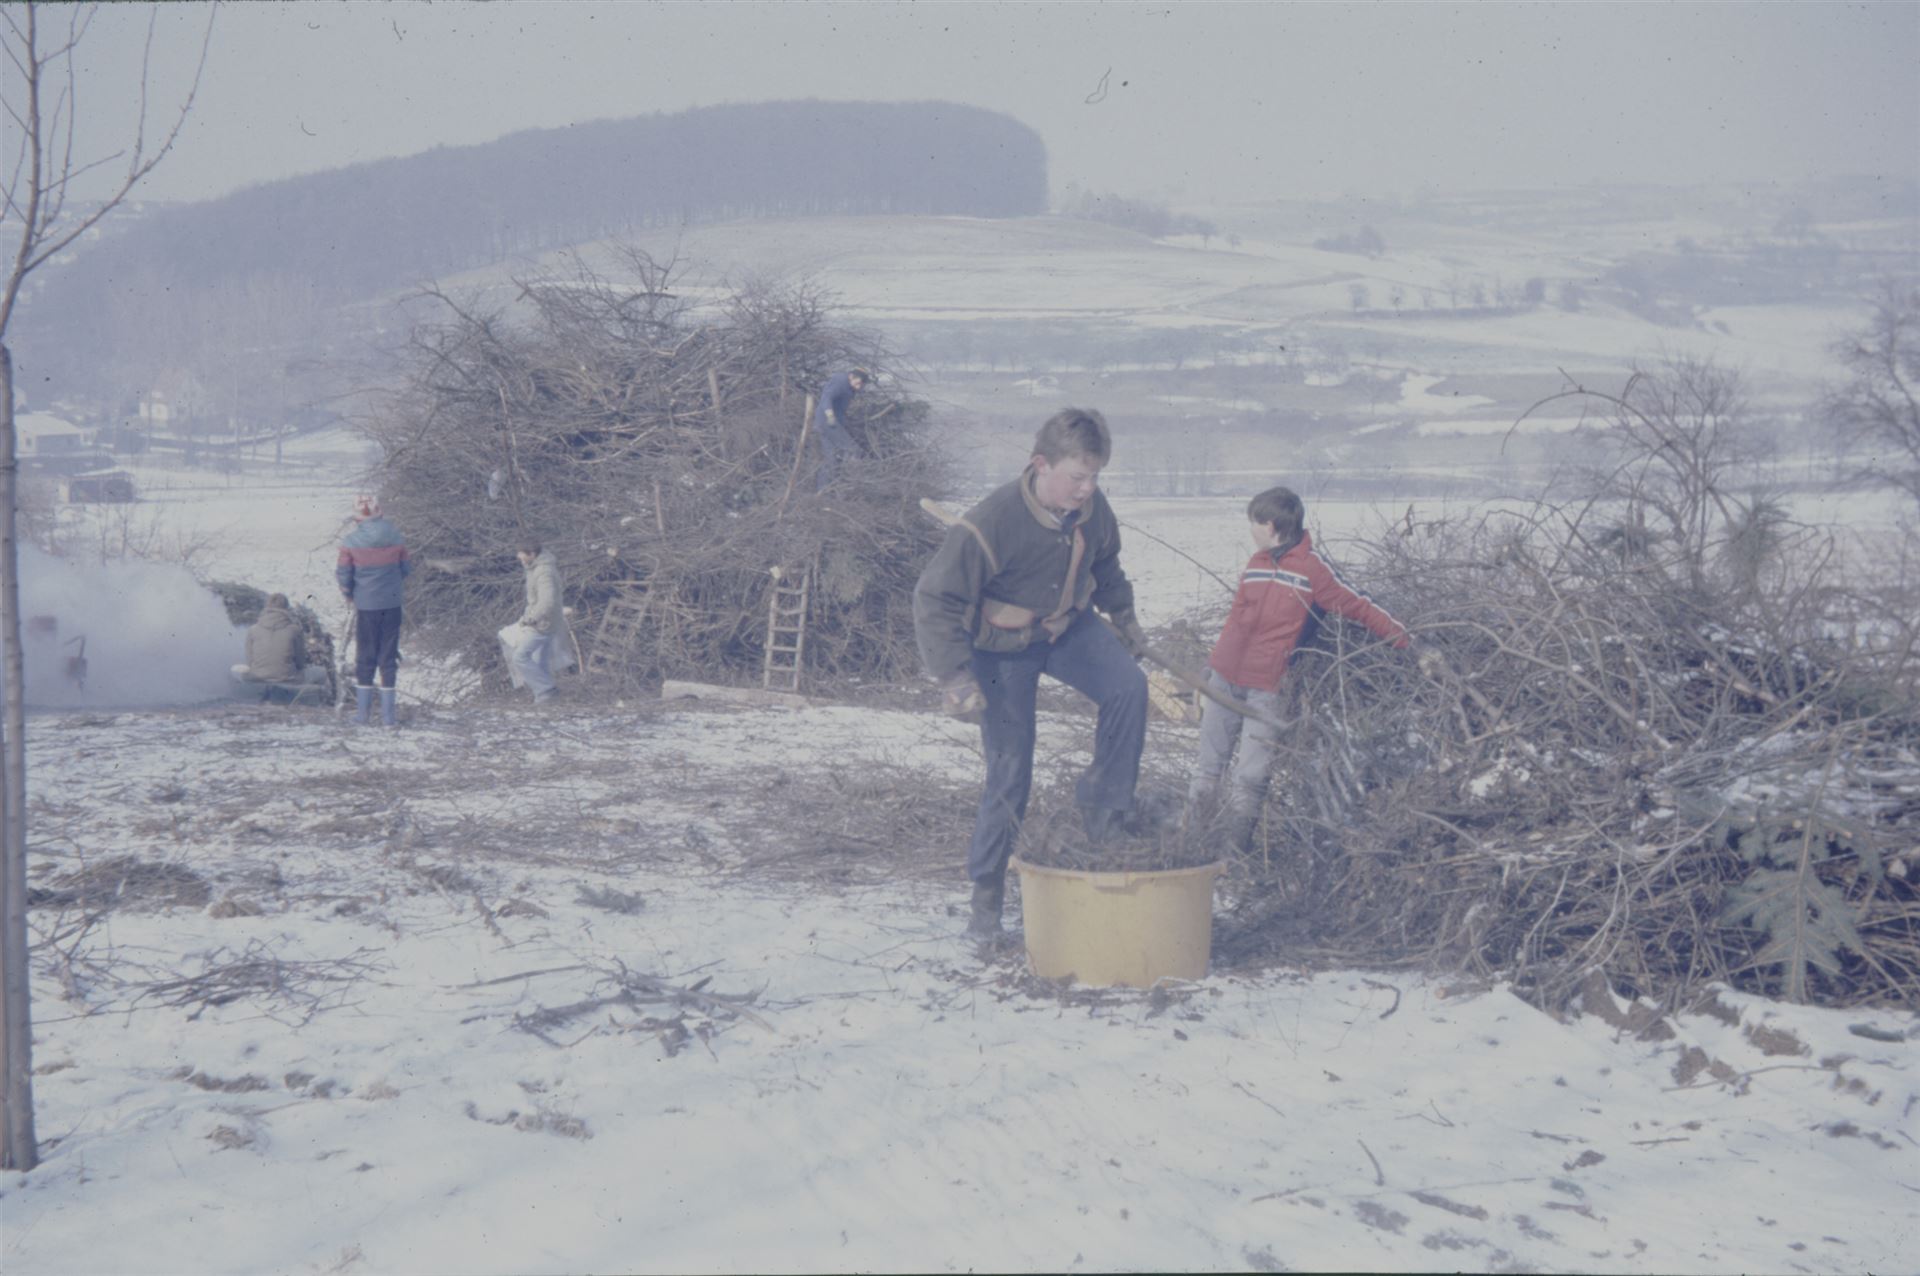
column 1374, row 1214
column 1693, row 1061
column 1775, row 1041
column 223, row 1085
column 124, row 882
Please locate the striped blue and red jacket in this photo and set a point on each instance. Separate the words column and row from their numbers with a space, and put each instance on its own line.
column 1280, row 599
column 373, row 562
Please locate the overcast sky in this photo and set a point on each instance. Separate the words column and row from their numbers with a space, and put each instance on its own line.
column 1192, row 103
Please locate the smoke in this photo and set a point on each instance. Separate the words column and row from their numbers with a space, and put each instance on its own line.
column 149, row 633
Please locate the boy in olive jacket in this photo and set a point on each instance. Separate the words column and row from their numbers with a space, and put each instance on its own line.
column 1008, row 597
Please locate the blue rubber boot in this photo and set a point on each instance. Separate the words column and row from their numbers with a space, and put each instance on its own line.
column 362, row 705
column 388, row 697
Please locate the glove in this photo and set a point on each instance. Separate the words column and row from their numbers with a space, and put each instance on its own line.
column 1132, row 636
column 962, row 699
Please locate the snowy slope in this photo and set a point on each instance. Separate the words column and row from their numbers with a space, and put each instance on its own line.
column 865, row 1095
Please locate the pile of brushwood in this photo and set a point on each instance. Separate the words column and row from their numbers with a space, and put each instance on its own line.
column 1671, row 735
column 656, row 448
column 1157, row 838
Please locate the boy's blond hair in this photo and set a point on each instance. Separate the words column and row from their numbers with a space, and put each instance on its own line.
column 1074, row 432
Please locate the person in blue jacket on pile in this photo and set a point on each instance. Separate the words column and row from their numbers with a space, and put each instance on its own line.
column 830, row 421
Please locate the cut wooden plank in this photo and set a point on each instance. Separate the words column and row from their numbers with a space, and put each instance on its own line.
column 1171, row 700
column 620, row 624
column 672, row 689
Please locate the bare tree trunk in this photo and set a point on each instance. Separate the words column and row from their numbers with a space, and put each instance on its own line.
column 18, row 1148
column 34, row 183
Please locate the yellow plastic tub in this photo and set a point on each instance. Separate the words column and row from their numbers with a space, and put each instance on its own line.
column 1127, row 929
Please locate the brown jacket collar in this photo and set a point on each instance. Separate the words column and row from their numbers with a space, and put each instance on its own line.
column 1041, row 514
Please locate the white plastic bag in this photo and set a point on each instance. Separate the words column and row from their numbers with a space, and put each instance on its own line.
column 512, row 638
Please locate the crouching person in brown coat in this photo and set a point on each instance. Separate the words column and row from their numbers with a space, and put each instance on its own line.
column 277, row 649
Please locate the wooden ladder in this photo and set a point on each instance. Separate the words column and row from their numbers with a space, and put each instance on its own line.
column 619, row 625
column 786, row 629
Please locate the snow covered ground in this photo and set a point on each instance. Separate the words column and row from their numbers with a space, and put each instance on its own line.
column 631, row 988
column 362, row 1010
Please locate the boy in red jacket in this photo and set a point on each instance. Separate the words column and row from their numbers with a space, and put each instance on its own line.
column 1284, row 589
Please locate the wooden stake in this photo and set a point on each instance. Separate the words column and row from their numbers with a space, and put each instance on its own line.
column 799, row 454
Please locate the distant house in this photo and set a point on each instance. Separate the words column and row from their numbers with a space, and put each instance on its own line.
column 176, row 399
column 155, row 411
column 41, row 435
column 47, row 442
column 97, row 487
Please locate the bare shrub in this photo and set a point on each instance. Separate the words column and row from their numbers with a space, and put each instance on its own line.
column 121, row 533
column 1877, row 411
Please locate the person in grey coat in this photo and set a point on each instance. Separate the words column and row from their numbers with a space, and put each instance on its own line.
column 543, row 624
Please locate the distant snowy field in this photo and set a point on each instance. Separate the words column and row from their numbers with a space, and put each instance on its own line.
column 880, row 270
column 888, row 1103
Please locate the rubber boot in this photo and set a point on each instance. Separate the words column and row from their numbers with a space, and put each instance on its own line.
column 362, row 704
column 388, row 704
column 1103, row 824
column 1237, row 829
column 989, row 897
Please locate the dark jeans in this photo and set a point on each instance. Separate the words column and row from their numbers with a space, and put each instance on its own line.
column 835, row 444
column 376, row 642
column 1089, row 659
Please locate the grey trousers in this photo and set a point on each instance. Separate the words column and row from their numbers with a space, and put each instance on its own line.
column 1220, row 729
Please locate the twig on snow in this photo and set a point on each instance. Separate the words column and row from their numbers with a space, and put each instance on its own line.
column 1379, row 1176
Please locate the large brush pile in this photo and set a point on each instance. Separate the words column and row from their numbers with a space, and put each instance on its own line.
column 1662, row 742
column 652, row 445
